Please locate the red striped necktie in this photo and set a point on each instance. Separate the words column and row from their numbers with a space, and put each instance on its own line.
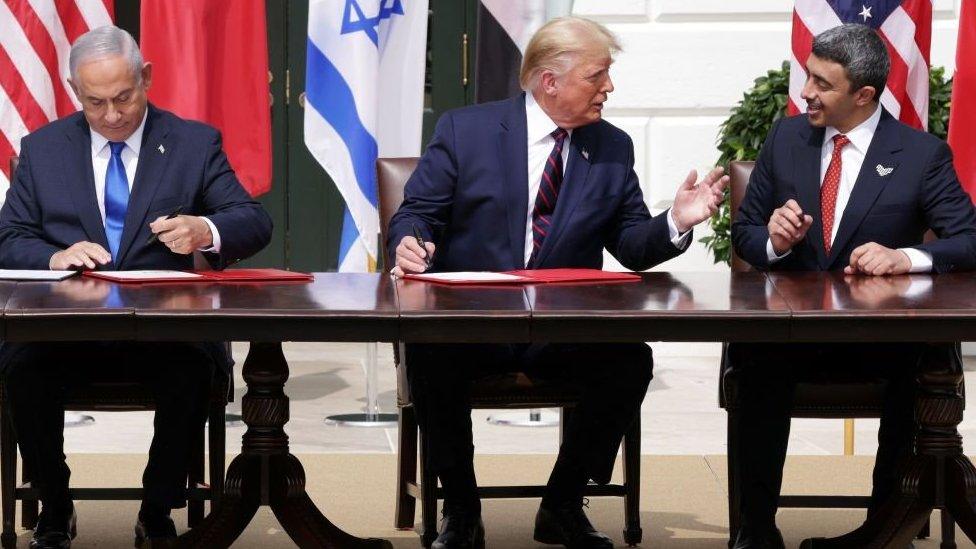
column 545, row 200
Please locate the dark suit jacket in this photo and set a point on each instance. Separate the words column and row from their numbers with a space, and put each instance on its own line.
column 894, row 210
column 51, row 203
column 469, row 196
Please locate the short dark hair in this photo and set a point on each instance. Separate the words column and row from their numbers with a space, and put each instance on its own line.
column 861, row 52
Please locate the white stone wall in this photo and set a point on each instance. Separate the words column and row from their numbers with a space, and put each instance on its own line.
column 685, row 64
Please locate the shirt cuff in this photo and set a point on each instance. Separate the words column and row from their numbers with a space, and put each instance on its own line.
column 771, row 253
column 215, row 247
column 921, row 261
column 680, row 240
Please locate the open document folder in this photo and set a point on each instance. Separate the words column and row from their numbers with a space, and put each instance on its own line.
column 531, row 276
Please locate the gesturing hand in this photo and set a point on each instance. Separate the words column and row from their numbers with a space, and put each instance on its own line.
column 874, row 259
column 80, row 255
column 787, row 226
column 182, row 234
column 695, row 203
column 410, row 258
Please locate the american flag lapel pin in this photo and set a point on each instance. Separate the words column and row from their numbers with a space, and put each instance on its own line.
column 162, row 149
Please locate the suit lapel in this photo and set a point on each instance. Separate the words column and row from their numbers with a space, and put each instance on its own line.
column 149, row 176
column 81, row 183
column 574, row 182
column 806, row 177
column 882, row 151
column 513, row 153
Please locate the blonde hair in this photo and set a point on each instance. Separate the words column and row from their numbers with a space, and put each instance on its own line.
column 558, row 43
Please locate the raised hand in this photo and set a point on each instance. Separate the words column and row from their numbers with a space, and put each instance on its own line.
column 787, row 226
column 695, row 203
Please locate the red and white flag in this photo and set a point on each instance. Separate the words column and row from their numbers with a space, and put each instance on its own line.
column 35, row 39
column 962, row 115
column 906, row 28
column 210, row 63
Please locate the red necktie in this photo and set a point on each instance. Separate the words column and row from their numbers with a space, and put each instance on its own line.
column 828, row 191
column 545, row 200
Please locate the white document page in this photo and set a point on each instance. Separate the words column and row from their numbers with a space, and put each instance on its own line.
column 147, row 275
column 470, row 276
column 19, row 274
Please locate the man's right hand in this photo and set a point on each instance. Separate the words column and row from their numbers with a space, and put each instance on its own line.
column 80, row 256
column 787, row 226
column 410, row 257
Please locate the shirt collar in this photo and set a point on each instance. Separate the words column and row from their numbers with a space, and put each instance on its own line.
column 861, row 135
column 134, row 142
column 538, row 125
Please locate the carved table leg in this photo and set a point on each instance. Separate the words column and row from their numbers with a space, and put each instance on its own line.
column 265, row 473
column 938, row 476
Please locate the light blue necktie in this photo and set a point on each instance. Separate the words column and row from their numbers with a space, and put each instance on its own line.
column 116, row 198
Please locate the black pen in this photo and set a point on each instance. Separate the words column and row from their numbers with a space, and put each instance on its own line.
column 423, row 245
column 179, row 209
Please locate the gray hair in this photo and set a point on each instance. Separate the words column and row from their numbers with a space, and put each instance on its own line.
column 102, row 42
column 861, row 52
column 555, row 46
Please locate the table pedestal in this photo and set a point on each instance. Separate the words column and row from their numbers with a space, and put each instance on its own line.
column 938, row 476
column 265, row 473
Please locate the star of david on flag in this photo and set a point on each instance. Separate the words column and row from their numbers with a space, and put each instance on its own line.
column 359, row 50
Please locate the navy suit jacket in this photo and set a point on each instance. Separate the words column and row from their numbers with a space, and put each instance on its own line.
column 51, row 203
column 921, row 192
column 469, row 196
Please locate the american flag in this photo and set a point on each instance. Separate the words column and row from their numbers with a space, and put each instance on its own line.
column 35, row 38
column 906, row 28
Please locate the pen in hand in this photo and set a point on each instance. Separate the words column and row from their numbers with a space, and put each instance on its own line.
column 154, row 236
column 423, row 246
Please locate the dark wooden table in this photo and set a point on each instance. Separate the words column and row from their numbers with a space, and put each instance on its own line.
column 662, row 306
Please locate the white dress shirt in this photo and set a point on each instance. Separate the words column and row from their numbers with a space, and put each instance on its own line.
column 102, row 155
column 852, row 158
column 540, row 143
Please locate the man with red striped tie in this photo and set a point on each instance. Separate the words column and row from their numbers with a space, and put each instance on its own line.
column 537, row 181
column 843, row 187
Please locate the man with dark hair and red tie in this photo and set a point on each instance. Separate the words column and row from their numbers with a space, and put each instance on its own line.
column 537, row 181
column 843, row 187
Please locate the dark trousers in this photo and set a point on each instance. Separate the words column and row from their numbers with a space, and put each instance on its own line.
column 612, row 380
column 38, row 377
column 768, row 374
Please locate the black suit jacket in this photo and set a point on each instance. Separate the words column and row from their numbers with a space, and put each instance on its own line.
column 51, row 203
column 894, row 209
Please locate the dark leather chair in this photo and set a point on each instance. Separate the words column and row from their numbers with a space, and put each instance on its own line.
column 114, row 396
column 508, row 391
column 815, row 398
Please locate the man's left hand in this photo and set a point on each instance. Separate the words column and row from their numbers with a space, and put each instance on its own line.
column 183, row 234
column 874, row 259
column 695, row 203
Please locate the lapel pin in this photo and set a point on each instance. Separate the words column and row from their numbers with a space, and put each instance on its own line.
column 882, row 171
column 585, row 153
column 162, row 149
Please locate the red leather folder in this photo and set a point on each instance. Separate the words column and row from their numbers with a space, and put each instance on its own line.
column 532, row 276
column 229, row 275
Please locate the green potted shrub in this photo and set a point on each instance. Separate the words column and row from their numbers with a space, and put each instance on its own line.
column 742, row 134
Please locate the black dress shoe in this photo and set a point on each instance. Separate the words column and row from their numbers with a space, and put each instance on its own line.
column 567, row 525
column 155, row 530
column 759, row 538
column 460, row 529
column 55, row 528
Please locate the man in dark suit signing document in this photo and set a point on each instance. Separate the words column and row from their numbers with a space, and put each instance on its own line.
column 121, row 185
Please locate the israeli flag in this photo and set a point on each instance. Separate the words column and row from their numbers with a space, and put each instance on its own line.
column 364, row 95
